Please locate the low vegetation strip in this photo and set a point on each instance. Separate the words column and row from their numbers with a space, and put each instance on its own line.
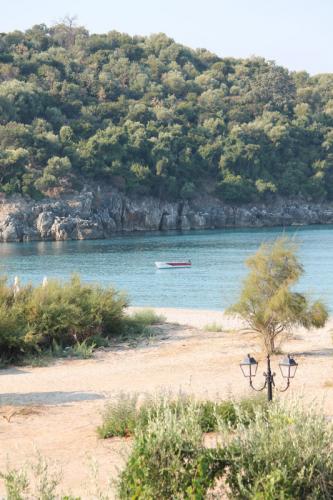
column 64, row 319
column 128, row 412
column 282, row 451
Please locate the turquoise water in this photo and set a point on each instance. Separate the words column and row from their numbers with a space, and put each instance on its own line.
column 213, row 282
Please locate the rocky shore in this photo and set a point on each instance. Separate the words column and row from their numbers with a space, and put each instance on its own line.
column 97, row 215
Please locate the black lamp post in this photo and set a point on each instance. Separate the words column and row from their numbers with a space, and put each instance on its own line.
column 288, row 367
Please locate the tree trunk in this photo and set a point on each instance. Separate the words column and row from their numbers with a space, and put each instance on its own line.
column 269, row 342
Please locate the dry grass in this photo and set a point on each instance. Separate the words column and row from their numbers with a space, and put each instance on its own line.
column 25, row 411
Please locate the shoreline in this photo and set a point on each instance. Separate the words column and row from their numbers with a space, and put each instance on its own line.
column 283, row 225
column 78, row 217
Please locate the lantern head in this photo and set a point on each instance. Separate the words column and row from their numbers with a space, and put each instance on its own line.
column 288, row 367
column 249, row 366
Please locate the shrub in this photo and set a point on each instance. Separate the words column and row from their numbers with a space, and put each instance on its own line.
column 35, row 480
column 120, row 417
column 284, row 452
column 168, row 459
column 12, row 321
column 210, row 412
column 12, row 333
column 70, row 314
column 270, row 451
column 123, row 415
column 16, row 483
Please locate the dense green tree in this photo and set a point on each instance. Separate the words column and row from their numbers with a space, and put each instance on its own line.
column 12, row 165
column 152, row 116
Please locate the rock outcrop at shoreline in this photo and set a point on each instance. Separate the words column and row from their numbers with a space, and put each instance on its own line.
column 98, row 215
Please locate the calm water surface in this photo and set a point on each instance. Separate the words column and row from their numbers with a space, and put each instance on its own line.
column 128, row 263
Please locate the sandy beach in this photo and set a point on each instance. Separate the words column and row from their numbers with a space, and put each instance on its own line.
column 55, row 409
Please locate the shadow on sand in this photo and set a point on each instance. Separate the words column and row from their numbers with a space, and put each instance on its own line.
column 47, row 398
column 326, row 352
column 12, row 371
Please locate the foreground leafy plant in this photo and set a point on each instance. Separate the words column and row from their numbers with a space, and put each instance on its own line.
column 269, row 452
column 16, row 483
column 35, row 480
column 39, row 480
column 168, row 458
column 284, row 452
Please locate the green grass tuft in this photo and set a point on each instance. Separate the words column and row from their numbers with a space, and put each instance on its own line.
column 213, row 327
column 147, row 317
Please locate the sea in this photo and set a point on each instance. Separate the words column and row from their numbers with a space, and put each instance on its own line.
column 213, row 282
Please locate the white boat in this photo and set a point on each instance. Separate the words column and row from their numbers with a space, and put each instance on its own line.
column 173, row 264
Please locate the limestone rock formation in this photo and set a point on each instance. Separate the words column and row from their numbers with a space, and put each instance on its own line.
column 90, row 215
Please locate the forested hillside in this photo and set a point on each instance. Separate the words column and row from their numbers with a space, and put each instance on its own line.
column 150, row 116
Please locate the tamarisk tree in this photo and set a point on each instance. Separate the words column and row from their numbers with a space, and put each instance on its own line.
column 268, row 304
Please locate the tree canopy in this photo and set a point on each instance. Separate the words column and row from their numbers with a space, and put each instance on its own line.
column 268, row 303
column 152, row 116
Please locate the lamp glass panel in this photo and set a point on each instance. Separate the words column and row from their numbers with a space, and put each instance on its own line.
column 249, row 366
column 292, row 371
column 288, row 367
column 285, row 370
column 246, row 369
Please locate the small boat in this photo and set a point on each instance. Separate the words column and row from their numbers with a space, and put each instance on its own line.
column 173, row 264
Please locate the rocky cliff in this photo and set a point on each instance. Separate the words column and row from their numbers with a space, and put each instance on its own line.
column 97, row 215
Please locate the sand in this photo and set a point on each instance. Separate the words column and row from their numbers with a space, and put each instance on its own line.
column 55, row 410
